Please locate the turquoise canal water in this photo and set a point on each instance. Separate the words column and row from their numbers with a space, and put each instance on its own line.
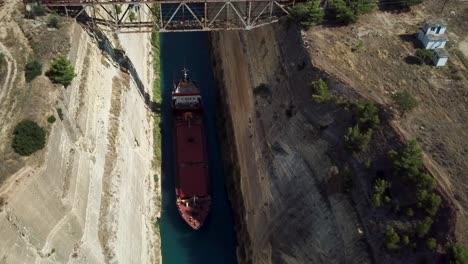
column 215, row 242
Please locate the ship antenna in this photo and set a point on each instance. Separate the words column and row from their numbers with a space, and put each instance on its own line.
column 185, row 73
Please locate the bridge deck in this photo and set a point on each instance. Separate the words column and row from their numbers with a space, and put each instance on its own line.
column 173, row 15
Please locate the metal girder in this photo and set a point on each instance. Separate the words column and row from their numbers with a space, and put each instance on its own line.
column 171, row 15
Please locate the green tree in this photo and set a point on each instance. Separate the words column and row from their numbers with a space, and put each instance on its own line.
column 363, row 6
column 308, row 13
column 380, row 187
column 408, row 161
column 425, row 181
column 28, row 138
column 430, row 201
column 368, row 115
column 423, row 226
column 320, row 92
column 356, row 140
column 458, row 254
column 405, row 240
column 391, row 238
column 341, row 12
column 405, row 102
column 431, row 244
column 53, row 22
column 32, row 69
column 61, row 71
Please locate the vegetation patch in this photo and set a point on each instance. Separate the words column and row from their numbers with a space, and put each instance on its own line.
column 53, row 22
column 320, row 91
column 308, row 13
column 380, row 189
column 458, row 254
column 2, row 60
column 29, row 137
column 32, row 69
column 425, row 55
column 61, row 71
column 157, row 98
column 51, row 119
column 405, row 102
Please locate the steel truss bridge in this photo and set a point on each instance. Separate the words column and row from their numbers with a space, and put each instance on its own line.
column 134, row 16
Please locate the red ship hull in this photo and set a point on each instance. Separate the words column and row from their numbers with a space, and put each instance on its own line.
column 191, row 164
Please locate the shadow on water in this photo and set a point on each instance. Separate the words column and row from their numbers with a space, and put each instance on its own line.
column 215, row 241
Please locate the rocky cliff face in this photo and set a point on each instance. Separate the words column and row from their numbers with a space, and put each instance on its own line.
column 89, row 196
column 289, row 207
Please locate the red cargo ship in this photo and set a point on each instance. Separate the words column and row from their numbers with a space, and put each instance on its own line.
column 191, row 165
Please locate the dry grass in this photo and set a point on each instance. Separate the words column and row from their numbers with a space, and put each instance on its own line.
column 382, row 66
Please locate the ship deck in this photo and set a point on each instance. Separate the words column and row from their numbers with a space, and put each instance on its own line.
column 191, row 164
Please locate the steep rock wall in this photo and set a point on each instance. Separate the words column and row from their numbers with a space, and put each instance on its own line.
column 277, row 161
column 89, row 196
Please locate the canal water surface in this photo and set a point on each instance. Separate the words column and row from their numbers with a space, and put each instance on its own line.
column 215, row 242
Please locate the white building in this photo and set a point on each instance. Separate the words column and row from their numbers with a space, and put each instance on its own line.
column 432, row 35
column 440, row 57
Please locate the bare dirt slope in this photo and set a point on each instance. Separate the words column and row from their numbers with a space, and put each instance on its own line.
column 374, row 57
column 89, row 196
column 278, row 162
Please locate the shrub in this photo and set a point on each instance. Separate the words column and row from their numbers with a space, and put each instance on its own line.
column 409, row 212
column 356, row 140
column 320, row 91
column 458, row 254
column 32, row 69
column 61, row 71
column 51, row 119
column 391, row 238
column 430, row 201
column 308, row 14
column 29, row 137
column 53, row 22
column 380, row 187
column 423, row 226
column 37, row 10
column 425, row 55
column 405, row 102
column 342, row 13
column 132, row 16
column 431, row 244
column 405, row 240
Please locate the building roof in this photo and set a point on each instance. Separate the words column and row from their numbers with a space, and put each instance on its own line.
column 434, row 37
column 436, row 22
column 441, row 53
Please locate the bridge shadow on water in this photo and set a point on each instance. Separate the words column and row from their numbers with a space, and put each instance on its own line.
column 215, row 242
